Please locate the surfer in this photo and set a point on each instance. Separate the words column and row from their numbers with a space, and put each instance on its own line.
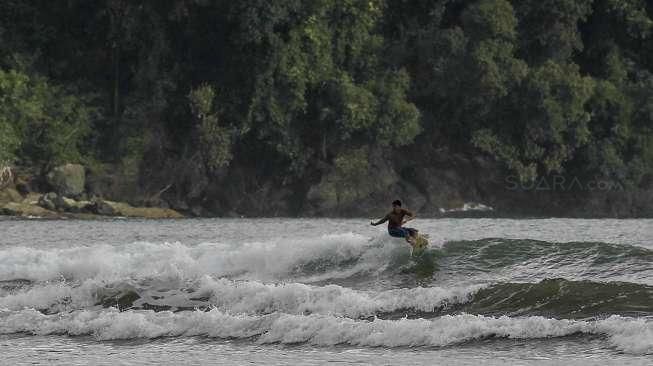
column 396, row 219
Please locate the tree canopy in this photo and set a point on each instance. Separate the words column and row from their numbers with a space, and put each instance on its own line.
column 543, row 86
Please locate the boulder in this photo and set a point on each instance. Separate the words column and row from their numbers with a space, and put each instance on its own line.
column 71, row 205
column 197, row 211
column 26, row 210
column 101, row 207
column 54, row 202
column 49, row 201
column 67, row 180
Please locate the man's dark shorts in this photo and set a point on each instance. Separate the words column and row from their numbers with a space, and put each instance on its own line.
column 401, row 232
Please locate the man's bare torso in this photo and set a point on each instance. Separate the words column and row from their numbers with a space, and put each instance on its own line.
column 396, row 219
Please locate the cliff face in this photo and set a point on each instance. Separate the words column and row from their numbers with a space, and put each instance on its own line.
column 454, row 185
column 432, row 183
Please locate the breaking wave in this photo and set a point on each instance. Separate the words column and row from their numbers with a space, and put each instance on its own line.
column 628, row 334
column 555, row 298
column 344, row 255
column 331, row 257
column 334, row 289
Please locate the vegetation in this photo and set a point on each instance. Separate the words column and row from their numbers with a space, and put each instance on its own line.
column 40, row 123
column 292, row 88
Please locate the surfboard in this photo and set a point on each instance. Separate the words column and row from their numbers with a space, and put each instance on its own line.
column 420, row 245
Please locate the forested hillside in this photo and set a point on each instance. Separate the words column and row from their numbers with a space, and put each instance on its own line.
column 329, row 106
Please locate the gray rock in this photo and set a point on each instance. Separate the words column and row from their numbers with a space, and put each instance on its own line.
column 26, row 210
column 374, row 186
column 67, row 180
column 49, row 201
column 197, row 211
column 53, row 201
column 69, row 205
column 101, row 207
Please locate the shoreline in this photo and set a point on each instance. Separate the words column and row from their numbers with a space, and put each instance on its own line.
column 31, row 206
column 71, row 192
column 57, row 216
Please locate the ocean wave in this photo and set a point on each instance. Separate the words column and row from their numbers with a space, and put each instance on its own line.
column 556, row 298
column 500, row 252
column 562, row 298
column 525, row 260
column 344, row 255
column 632, row 335
column 247, row 297
column 330, row 257
column 254, row 297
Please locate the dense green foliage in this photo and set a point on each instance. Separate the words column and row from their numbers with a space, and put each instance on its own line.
column 214, row 140
column 296, row 88
column 38, row 122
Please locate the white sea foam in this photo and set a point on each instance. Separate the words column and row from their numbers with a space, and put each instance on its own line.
column 253, row 297
column 267, row 260
column 632, row 335
column 57, row 296
column 247, row 297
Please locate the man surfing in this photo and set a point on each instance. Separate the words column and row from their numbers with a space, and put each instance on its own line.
column 396, row 219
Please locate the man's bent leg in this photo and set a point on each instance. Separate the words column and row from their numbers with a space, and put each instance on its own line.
column 407, row 233
column 411, row 235
column 397, row 232
column 411, row 232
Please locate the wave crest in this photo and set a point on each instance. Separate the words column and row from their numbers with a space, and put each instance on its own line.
column 340, row 255
column 628, row 334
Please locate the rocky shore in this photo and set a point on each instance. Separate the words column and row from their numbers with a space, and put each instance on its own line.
column 67, row 197
column 450, row 186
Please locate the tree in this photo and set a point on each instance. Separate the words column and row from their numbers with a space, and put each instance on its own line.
column 42, row 124
column 549, row 29
column 320, row 87
column 551, row 122
column 214, row 140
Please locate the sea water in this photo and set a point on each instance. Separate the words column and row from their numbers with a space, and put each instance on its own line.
column 316, row 291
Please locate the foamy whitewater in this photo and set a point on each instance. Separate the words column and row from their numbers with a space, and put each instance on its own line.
column 296, row 291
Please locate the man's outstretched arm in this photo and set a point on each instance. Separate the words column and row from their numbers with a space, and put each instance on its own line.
column 384, row 219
